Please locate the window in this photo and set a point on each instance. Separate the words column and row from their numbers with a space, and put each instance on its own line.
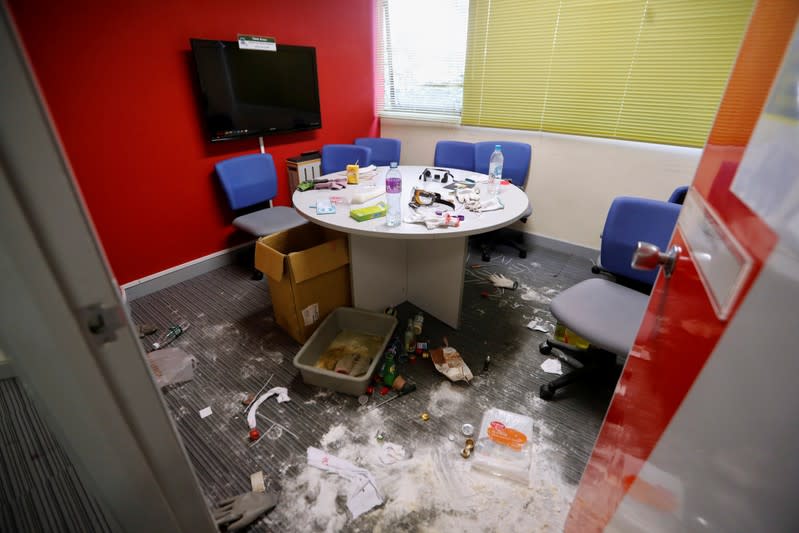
column 645, row 70
column 420, row 58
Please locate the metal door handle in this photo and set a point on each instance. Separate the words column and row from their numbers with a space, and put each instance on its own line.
column 647, row 256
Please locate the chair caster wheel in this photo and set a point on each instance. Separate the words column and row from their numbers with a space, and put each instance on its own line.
column 257, row 275
column 595, row 270
column 486, row 257
column 523, row 254
column 545, row 348
column 546, row 392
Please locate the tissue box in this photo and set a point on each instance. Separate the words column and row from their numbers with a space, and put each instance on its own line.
column 367, row 213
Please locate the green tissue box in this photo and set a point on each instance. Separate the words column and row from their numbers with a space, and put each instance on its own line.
column 368, row 213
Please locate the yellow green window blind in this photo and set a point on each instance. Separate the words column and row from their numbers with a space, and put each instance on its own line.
column 645, row 70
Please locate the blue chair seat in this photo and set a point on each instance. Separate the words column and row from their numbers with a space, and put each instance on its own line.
column 268, row 221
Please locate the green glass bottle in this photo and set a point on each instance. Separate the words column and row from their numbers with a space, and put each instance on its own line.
column 389, row 369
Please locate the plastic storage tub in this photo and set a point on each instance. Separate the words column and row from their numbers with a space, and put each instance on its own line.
column 343, row 318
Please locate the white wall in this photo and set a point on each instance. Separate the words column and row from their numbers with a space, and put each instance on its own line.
column 572, row 179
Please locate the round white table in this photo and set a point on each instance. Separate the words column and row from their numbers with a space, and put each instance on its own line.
column 410, row 262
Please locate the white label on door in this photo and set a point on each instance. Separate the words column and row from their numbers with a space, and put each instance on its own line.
column 722, row 263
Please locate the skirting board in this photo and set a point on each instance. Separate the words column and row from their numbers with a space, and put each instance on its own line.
column 173, row 276
column 533, row 240
column 179, row 273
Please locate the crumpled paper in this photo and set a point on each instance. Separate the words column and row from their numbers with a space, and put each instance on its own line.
column 449, row 362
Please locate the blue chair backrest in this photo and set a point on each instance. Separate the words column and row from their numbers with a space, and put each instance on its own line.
column 678, row 196
column 631, row 220
column 336, row 157
column 516, row 163
column 384, row 150
column 248, row 179
column 454, row 154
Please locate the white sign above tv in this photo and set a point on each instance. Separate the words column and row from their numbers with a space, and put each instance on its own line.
column 255, row 42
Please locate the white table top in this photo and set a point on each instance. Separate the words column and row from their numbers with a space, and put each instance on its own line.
column 514, row 199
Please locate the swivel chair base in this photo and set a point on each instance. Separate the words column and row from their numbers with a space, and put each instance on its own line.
column 584, row 364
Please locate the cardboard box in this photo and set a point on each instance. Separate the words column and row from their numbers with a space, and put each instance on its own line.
column 309, row 276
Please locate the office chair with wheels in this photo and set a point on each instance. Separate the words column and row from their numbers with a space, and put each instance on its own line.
column 384, row 150
column 604, row 313
column 250, row 180
column 336, row 157
column 454, row 154
column 515, row 169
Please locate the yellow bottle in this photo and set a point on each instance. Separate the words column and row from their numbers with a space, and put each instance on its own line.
column 352, row 174
column 564, row 334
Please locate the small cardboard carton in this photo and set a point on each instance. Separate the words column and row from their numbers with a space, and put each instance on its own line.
column 309, row 276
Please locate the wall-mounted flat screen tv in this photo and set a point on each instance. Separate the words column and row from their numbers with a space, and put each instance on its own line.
column 255, row 92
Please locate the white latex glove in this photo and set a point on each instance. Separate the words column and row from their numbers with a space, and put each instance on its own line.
column 432, row 221
column 501, row 281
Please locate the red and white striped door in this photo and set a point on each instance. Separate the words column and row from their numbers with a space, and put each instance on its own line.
column 701, row 432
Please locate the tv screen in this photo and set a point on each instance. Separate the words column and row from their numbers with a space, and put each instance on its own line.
column 256, row 92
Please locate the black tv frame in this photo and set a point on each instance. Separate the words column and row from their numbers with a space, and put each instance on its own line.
column 234, row 134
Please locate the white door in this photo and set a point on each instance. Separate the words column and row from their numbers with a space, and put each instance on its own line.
column 64, row 328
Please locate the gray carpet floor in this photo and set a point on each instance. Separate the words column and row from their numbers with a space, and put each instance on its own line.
column 39, row 488
column 239, row 348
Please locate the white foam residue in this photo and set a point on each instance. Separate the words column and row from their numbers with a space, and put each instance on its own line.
column 444, row 399
column 531, row 295
column 433, row 488
column 334, row 434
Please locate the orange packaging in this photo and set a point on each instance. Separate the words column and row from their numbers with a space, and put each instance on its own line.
column 352, row 174
column 501, row 434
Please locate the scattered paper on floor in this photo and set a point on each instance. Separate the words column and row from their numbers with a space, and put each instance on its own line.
column 364, row 494
column 552, row 366
column 538, row 324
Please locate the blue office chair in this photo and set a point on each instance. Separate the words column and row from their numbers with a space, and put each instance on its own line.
column 454, row 154
column 604, row 313
column 384, row 150
column 616, row 247
column 250, row 180
column 515, row 168
column 678, row 195
column 336, row 157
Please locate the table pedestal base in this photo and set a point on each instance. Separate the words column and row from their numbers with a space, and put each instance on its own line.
column 426, row 272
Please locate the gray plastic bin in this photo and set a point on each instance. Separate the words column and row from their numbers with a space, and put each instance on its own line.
column 367, row 322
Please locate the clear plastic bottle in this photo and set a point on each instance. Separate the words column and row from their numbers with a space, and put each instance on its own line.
column 394, row 195
column 171, row 334
column 495, row 170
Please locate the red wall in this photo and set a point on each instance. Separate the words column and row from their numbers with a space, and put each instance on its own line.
column 119, row 83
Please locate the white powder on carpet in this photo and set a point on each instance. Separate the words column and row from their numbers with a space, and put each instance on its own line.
column 531, row 295
column 444, row 399
column 434, row 489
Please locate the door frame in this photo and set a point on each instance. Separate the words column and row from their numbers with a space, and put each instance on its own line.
column 94, row 389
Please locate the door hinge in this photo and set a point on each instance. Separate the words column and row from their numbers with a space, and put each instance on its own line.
column 102, row 321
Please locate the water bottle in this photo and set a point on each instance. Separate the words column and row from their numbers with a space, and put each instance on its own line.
column 495, row 171
column 172, row 333
column 393, row 195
